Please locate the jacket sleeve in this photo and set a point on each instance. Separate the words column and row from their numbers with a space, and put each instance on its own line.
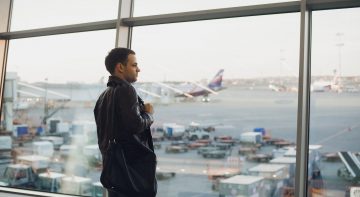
column 133, row 120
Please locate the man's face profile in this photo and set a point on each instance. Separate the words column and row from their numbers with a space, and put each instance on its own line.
column 130, row 71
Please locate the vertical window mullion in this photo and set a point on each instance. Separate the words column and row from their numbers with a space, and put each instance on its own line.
column 303, row 121
column 5, row 17
column 123, row 32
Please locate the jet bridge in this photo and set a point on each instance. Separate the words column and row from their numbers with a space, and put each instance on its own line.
column 352, row 164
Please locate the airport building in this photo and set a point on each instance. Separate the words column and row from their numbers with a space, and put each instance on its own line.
column 251, row 97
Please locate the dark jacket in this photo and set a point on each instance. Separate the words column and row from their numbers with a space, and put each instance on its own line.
column 120, row 115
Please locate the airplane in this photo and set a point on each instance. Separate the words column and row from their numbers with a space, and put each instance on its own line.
column 161, row 91
column 277, row 88
column 326, row 86
column 214, row 86
column 282, row 88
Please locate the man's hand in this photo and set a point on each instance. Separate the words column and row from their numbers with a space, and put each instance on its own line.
column 149, row 108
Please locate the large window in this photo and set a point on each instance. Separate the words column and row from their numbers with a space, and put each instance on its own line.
column 51, row 87
column 207, row 138
column 31, row 14
column 225, row 93
column 335, row 106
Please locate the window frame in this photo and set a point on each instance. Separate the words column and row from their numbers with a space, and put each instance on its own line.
column 125, row 22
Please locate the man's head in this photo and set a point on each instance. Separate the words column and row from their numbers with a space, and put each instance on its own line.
column 121, row 62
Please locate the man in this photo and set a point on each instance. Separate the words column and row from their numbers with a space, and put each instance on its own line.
column 122, row 116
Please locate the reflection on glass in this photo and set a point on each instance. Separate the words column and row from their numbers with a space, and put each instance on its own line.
column 226, row 104
column 48, row 136
column 335, row 109
column 31, row 14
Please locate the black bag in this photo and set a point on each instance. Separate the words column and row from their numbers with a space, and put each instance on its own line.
column 128, row 177
column 127, row 171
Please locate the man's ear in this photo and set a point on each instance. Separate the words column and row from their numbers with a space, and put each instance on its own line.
column 120, row 67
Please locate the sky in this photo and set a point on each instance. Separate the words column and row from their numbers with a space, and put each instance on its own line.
column 246, row 47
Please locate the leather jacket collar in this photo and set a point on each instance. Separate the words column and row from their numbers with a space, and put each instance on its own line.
column 114, row 80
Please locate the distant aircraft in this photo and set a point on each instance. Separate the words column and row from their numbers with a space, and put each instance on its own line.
column 325, row 86
column 282, row 88
column 214, row 86
column 277, row 88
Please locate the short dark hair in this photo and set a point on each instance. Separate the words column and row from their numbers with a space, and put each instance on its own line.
column 117, row 55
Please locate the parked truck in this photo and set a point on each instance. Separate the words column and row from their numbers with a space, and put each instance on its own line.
column 19, row 175
column 57, row 141
column 35, row 161
column 50, row 181
column 197, row 134
column 251, row 138
column 76, row 185
column 241, row 185
column 43, row 148
column 68, row 150
column 173, row 130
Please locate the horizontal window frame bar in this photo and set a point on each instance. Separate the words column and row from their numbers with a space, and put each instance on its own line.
column 27, row 192
column 318, row 5
column 76, row 28
column 242, row 11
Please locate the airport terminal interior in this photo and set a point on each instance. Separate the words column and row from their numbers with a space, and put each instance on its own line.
column 252, row 98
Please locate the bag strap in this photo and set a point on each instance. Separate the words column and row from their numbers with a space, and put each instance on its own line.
column 112, row 134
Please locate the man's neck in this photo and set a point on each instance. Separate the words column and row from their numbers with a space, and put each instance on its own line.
column 120, row 76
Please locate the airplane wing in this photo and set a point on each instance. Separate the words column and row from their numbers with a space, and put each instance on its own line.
column 174, row 89
column 43, row 90
column 205, row 88
column 149, row 93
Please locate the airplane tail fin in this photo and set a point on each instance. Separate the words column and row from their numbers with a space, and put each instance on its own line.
column 335, row 80
column 215, row 83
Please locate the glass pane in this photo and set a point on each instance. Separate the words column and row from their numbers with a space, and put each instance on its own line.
column 31, row 14
column 48, row 135
column 154, row 7
column 225, row 95
column 335, row 106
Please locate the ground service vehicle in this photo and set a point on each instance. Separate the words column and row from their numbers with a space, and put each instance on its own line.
column 50, row 181
column 19, row 175
column 197, row 134
column 241, row 185
column 76, row 185
column 177, row 147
